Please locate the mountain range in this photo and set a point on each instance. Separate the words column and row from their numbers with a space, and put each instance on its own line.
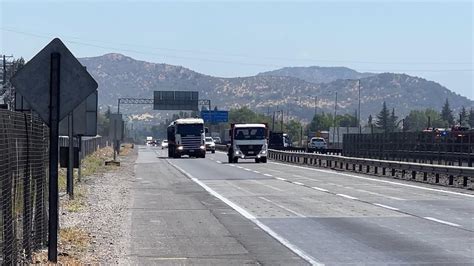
column 293, row 89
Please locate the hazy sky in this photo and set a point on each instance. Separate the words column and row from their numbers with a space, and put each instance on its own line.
column 433, row 40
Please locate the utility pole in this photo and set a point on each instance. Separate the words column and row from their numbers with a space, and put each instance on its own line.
column 358, row 113
column 281, row 124
column 315, row 105
column 334, row 120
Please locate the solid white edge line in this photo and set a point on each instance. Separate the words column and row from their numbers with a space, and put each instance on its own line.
column 252, row 218
column 346, row 196
column 378, row 180
column 320, row 189
column 386, row 207
column 441, row 221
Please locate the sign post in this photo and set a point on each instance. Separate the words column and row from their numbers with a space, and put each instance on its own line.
column 70, row 165
column 53, row 157
column 53, row 83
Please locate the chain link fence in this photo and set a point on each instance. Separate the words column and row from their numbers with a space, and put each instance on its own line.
column 24, row 186
column 24, row 183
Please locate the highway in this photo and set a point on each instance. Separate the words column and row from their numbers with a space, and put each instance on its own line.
column 332, row 218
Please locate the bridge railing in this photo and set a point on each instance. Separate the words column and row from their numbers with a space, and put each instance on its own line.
column 454, row 176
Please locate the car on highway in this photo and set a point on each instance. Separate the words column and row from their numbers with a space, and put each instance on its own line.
column 164, row 144
column 317, row 143
column 217, row 140
column 210, row 145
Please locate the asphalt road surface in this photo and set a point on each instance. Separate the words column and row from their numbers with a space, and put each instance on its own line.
column 333, row 218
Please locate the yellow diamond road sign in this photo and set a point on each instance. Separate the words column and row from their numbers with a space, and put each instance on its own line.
column 33, row 81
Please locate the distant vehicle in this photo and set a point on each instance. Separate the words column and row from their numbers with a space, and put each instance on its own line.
column 186, row 137
column 210, row 145
column 217, row 140
column 164, row 144
column 148, row 140
column 248, row 141
column 278, row 140
column 317, row 143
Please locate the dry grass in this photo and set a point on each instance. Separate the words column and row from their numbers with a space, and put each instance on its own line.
column 126, row 148
column 72, row 241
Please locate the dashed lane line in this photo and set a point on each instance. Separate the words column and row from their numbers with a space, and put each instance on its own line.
column 441, row 221
column 386, row 207
column 320, row 189
column 378, row 180
column 283, row 207
column 347, row 196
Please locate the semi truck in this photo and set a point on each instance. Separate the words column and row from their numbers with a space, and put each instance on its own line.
column 186, row 136
column 248, row 141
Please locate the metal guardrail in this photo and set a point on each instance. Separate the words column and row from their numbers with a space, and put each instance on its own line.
column 455, row 176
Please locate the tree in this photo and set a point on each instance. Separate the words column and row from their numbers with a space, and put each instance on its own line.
column 321, row 122
column 392, row 122
column 471, row 118
column 463, row 117
column 383, row 119
column 447, row 113
column 417, row 120
column 9, row 92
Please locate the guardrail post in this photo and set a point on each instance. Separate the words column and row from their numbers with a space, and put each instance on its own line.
column 425, row 176
column 437, row 178
column 376, row 169
column 451, row 179
column 413, row 175
column 393, row 171
column 367, row 170
column 383, row 170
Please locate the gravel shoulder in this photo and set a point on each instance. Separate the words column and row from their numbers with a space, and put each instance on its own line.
column 95, row 226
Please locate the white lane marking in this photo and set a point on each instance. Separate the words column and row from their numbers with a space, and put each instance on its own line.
column 280, row 178
column 210, row 158
column 233, row 165
column 378, row 180
column 298, row 183
column 283, row 207
column 239, row 188
column 252, row 218
column 346, row 196
column 378, row 194
column 246, row 169
column 269, row 186
column 320, row 189
column 267, row 175
column 218, row 162
column 239, row 167
column 273, row 170
column 386, row 207
column 257, row 172
column 441, row 221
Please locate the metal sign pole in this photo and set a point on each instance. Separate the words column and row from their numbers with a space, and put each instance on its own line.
column 53, row 157
column 79, row 142
column 70, row 165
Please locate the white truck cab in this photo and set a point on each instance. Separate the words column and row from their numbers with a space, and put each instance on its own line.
column 248, row 141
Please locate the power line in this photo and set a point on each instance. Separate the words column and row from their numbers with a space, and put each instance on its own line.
column 239, row 62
